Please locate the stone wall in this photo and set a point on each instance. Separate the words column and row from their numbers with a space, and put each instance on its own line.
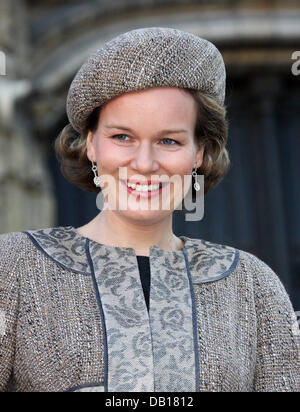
column 26, row 196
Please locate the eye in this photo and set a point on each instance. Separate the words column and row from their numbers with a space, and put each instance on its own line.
column 170, row 140
column 120, row 138
column 116, row 136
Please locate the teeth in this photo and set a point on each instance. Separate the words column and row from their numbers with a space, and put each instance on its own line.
column 143, row 188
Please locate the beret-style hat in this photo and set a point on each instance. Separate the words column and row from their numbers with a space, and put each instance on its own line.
column 141, row 59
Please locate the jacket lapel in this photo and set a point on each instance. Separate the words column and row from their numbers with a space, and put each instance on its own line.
column 128, row 334
column 173, row 322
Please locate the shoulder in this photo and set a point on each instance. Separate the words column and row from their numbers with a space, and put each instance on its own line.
column 11, row 247
column 214, row 261
column 43, row 235
column 16, row 240
column 11, row 238
column 63, row 246
column 265, row 280
column 19, row 247
column 210, row 261
column 13, row 251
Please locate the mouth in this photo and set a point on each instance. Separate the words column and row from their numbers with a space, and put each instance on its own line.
column 144, row 190
column 144, row 187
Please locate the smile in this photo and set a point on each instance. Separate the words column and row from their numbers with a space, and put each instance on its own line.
column 144, row 188
column 144, row 191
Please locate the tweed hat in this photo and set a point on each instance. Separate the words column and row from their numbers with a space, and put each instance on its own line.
column 141, row 59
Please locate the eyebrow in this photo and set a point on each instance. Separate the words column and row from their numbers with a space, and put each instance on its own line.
column 165, row 131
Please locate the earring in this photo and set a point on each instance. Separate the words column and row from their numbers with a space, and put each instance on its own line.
column 97, row 180
column 196, row 184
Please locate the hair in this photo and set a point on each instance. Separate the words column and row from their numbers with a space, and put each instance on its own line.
column 211, row 131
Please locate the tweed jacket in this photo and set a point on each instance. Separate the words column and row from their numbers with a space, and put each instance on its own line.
column 73, row 318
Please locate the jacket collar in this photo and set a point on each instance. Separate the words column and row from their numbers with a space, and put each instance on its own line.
column 207, row 261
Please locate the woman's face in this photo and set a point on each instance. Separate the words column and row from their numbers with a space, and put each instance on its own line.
column 150, row 134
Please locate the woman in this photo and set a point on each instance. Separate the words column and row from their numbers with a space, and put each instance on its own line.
column 121, row 303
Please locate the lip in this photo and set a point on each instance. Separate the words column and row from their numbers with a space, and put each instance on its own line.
column 146, row 182
column 146, row 195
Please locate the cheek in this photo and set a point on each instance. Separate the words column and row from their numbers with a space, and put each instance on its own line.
column 108, row 154
column 180, row 162
column 179, row 167
column 111, row 156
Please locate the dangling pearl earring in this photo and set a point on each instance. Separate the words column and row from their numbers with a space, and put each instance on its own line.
column 196, row 184
column 97, row 180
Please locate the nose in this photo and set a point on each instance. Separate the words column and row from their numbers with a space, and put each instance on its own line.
column 144, row 159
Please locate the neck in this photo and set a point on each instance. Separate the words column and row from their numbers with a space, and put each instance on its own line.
column 111, row 229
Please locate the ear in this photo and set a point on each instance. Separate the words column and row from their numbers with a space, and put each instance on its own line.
column 90, row 149
column 199, row 157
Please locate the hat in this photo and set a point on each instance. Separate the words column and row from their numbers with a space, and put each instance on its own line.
column 141, row 59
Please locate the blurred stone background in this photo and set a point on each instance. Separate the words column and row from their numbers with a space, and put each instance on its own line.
column 256, row 208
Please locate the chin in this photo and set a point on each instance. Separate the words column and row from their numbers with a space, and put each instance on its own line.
column 145, row 217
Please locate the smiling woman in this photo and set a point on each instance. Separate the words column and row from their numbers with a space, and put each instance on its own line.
column 147, row 116
column 121, row 304
column 210, row 132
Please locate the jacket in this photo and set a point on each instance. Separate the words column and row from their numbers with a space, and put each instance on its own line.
column 73, row 318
